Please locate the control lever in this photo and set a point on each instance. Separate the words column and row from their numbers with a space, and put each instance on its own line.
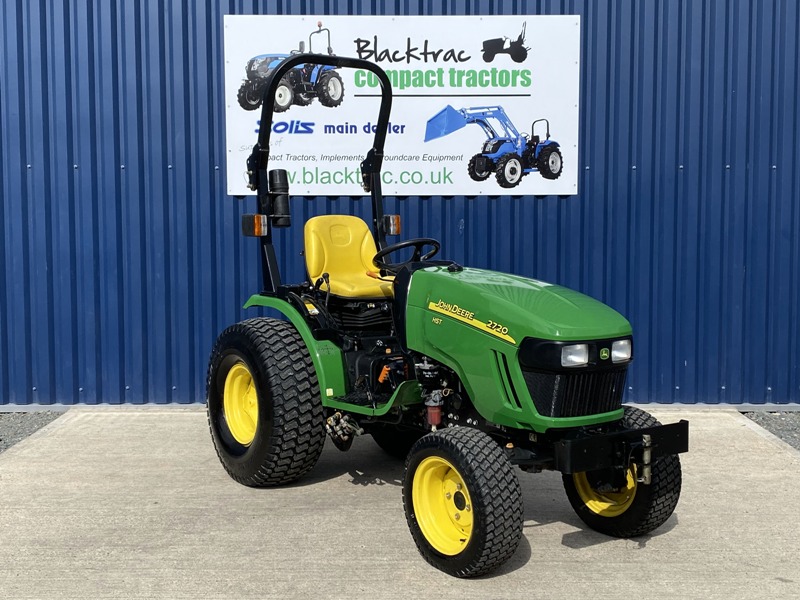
column 326, row 279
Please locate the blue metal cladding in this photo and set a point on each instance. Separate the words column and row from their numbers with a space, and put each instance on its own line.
column 121, row 257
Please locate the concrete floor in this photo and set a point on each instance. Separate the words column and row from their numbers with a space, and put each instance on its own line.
column 132, row 503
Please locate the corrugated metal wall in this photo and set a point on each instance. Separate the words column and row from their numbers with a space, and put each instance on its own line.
column 121, row 257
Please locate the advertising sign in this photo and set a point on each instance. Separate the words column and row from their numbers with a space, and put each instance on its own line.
column 481, row 105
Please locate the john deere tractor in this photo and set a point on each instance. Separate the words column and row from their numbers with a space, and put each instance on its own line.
column 462, row 373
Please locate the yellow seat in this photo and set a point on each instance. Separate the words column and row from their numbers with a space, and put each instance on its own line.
column 343, row 247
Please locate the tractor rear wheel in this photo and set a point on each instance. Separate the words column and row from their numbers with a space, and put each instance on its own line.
column 264, row 407
column 477, row 174
column 550, row 163
column 283, row 96
column 518, row 53
column 330, row 89
column 509, row 170
column 616, row 503
column 463, row 501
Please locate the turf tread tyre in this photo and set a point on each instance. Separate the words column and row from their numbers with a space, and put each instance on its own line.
column 290, row 432
column 495, row 493
column 652, row 505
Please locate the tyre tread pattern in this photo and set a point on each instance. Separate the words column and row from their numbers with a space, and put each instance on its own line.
column 298, row 433
column 500, row 170
column 494, row 489
column 544, row 166
column 666, row 482
column 655, row 503
column 322, row 90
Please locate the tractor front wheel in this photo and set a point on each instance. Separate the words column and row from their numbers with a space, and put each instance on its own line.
column 477, row 174
column 330, row 89
column 509, row 170
column 264, row 407
column 463, row 501
column 249, row 96
column 615, row 503
column 550, row 162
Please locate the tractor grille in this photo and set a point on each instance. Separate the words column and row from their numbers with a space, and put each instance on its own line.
column 576, row 394
column 363, row 321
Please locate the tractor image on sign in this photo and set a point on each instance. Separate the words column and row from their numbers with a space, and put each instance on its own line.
column 299, row 86
column 507, row 153
column 516, row 49
column 465, row 374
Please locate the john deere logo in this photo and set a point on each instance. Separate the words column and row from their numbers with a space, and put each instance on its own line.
column 604, row 354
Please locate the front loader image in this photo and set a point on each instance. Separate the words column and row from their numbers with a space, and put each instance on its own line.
column 469, row 376
column 507, row 153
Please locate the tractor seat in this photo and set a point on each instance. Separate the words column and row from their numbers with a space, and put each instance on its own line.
column 343, row 247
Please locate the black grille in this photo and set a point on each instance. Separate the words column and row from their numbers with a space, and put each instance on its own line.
column 366, row 320
column 366, row 315
column 576, row 394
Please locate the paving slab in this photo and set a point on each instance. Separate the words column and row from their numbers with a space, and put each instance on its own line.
column 132, row 503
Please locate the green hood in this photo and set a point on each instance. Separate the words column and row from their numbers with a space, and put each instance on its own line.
column 511, row 307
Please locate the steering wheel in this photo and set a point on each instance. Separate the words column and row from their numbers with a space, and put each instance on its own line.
column 417, row 243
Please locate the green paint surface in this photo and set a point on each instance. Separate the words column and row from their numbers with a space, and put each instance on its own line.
column 473, row 321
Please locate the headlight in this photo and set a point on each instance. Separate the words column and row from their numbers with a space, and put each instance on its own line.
column 576, row 355
column 621, row 351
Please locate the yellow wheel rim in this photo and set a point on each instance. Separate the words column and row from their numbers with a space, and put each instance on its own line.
column 442, row 505
column 606, row 502
column 240, row 403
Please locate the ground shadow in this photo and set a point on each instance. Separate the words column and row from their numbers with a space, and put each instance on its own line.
column 365, row 463
column 546, row 503
column 586, row 538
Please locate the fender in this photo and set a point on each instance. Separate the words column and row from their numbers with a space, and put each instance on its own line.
column 326, row 356
column 330, row 366
column 542, row 145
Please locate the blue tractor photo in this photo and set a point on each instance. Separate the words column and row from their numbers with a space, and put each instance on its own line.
column 299, row 86
column 507, row 153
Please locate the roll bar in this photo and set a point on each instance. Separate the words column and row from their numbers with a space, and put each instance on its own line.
column 258, row 162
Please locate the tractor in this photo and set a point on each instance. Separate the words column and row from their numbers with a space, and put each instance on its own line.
column 508, row 153
column 515, row 49
column 299, row 86
column 462, row 373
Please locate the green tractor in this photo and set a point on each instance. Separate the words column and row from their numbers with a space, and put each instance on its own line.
column 463, row 373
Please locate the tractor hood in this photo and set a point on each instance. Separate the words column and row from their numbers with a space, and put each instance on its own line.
column 512, row 308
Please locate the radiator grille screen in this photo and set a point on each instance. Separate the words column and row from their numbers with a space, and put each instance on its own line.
column 576, row 394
